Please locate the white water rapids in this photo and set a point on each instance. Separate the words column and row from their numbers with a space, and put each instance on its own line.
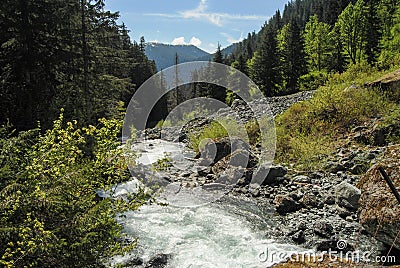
column 227, row 233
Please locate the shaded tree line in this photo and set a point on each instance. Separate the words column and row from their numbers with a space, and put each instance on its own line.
column 68, row 54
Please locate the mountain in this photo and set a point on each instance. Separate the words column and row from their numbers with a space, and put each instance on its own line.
column 164, row 55
column 226, row 52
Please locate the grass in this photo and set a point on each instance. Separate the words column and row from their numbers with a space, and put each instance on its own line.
column 213, row 131
column 391, row 122
column 311, row 130
column 228, row 127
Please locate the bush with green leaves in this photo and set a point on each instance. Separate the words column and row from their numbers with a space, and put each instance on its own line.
column 50, row 213
column 310, row 130
column 312, row 80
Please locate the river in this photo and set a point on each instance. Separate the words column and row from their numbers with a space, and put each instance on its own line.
column 229, row 232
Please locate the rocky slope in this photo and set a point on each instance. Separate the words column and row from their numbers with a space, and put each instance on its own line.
column 316, row 209
column 379, row 209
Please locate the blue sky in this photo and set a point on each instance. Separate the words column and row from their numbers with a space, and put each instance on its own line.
column 203, row 23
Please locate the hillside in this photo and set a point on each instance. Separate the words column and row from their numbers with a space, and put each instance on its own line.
column 164, row 55
column 225, row 52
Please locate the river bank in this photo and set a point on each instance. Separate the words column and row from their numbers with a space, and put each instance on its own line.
column 315, row 211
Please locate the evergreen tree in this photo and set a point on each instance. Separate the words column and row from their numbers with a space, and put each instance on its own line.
column 249, row 46
column 240, row 64
column 386, row 12
column 218, row 57
column 291, row 46
column 142, row 44
column 373, row 34
column 265, row 65
column 65, row 54
column 218, row 92
column 391, row 43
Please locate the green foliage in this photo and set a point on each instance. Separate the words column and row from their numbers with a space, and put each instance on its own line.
column 305, row 150
column 163, row 164
column 391, row 123
column 337, row 35
column 65, row 54
column 225, row 127
column 253, row 132
column 265, row 65
column 390, row 55
column 163, row 123
column 352, row 23
column 318, row 44
column 313, row 80
column 309, row 130
column 50, row 213
column 213, row 131
column 291, row 49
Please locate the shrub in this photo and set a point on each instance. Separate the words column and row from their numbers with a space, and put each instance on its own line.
column 313, row 80
column 250, row 132
column 50, row 213
column 213, row 131
column 163, row 164
column 310, row 129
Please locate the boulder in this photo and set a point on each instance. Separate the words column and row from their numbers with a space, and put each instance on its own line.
column 133, row 261
column 266, row 175
column 389, row 82
column 378, row 205
column 238, row 160
column 347, row 195
column 299, row 237
column 323, row 229
column 214, row 151
column 301, row 179
column 329, row 199
column 335, row 167
column 285, row 204
column 309, row 200
column 158, row 261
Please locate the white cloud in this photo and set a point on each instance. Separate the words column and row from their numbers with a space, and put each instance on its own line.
column 201, row 13
column 195, row 41
column 210, row 48
column 181, row 41
column 231, row 39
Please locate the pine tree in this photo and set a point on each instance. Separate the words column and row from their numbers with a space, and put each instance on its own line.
column 291, row 47
column 249, row 46
column 142, row 44
column 265, row 65
column 218, row 57
column 373, row 34
column 65, row 54
column 29, row 53
column 217, row 74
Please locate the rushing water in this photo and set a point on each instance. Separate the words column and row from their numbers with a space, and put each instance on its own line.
column 227, row 233
column 230, row 233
